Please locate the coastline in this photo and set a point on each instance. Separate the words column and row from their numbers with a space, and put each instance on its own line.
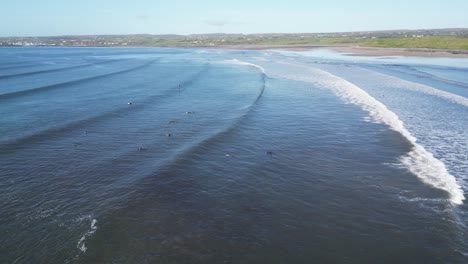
column 412, row 52
column 359, row 50
column 346, row 50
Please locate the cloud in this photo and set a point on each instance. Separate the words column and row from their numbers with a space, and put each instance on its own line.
column 216, row 23
column 142, row 17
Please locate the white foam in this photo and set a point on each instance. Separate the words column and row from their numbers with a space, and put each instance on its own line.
column 395, row 81
column 419, row 161
column 238, row 62
column 258, row 58
column 419, row 199
column 81, row 243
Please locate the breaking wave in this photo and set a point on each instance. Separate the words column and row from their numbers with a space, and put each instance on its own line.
column 419, row 161
column 238, row 62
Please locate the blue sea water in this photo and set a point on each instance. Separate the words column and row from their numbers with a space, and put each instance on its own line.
column 161, row 155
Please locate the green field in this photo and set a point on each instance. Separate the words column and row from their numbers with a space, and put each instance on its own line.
column 377, row 39
column 453, row 43
column 430, row 42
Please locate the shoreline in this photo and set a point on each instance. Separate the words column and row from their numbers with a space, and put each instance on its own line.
column 410, row 52
column 345, row 50
column 359, row 50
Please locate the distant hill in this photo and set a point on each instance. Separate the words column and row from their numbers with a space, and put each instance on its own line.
column 452, row 39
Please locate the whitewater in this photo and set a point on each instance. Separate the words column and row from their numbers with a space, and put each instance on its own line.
column 419, row 161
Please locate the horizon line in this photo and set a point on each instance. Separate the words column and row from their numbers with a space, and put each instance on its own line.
column 220, row 33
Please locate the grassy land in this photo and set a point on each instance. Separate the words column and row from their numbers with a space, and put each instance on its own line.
column 274, row 41
column 453, row 43
column 369, row 39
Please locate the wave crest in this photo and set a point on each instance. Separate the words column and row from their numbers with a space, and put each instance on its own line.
column 238, row 62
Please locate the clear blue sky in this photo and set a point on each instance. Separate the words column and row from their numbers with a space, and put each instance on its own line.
column 70, row 17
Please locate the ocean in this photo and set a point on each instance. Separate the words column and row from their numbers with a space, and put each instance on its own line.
column 164, row 155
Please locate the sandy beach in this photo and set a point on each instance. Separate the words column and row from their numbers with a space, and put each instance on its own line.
column 371, row 51
column 360, row 51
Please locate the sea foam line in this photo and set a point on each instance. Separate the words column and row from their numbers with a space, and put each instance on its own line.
column 81, row 243
column 238, row 62
column 419, row 161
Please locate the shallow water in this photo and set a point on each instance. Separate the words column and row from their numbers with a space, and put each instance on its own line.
column 211, row 156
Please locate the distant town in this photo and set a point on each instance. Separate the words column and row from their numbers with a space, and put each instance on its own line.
column 428, row 38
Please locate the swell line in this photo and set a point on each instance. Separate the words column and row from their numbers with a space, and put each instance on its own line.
column 203, row 140
column 69, row 83
column 221, row 133
column 16, row 144
column 54, row 70
column 166, row 162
